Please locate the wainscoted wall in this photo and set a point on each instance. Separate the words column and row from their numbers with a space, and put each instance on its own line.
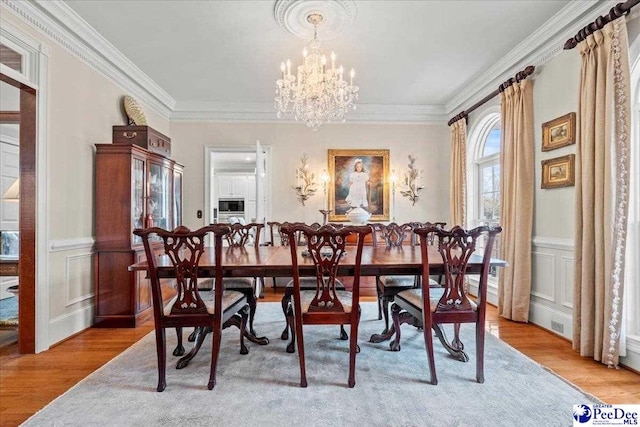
column 87, row 105
column 552, row 285
column 71, row 275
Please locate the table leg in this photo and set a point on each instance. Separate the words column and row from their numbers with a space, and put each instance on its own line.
column 236, row 321
column 454, row 349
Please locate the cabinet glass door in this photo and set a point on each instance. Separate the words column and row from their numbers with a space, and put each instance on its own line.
column 159, row 206
column 137, row 205
column 177, row 199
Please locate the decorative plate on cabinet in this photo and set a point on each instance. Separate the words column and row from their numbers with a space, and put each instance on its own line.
column 134, row 112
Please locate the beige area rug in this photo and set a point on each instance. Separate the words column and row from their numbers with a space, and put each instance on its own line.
column 262, row 388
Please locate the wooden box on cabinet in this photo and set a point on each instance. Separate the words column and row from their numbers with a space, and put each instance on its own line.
column 135, row 188
column 144, row 136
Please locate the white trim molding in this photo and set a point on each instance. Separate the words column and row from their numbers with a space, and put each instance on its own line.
column 552, row 243
column 36, row 64
column 65, row 325
column 86, row 257
column 545, row 43
column 71, row 244
column 62, row 24
column 265, row 112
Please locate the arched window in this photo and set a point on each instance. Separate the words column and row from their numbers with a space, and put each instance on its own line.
column 483, row 166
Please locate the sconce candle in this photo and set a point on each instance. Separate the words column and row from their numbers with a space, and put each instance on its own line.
column 393, row 179
column 306, row 188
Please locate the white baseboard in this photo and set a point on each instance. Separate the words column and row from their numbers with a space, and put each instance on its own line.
column 64, row 326
column 543, row 316
column 492, row 291
column 632, row 359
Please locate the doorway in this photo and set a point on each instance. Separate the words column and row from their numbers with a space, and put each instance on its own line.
column 237, row 177
column 25, row 118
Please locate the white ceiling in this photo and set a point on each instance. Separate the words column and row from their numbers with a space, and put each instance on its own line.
column 404, row 52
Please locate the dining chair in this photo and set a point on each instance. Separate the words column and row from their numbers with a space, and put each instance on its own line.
column 449, row 303
column 393, row 236
column 306, row 284
column 325, row 305
column 239, row 237
column 207, row 311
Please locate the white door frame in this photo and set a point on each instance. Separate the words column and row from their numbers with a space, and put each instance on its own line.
column 210, row 151
column 36, row 58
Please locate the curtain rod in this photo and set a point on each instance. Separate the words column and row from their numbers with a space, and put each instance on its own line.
column 521, row 75
column 616, row 12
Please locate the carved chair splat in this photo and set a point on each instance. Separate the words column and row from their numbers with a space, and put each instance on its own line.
column 326, row 304
column 206, row 311
column 450, row 303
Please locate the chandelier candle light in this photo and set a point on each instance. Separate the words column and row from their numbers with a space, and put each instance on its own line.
column 305, row 184
column 316, row 94
column 411, row 182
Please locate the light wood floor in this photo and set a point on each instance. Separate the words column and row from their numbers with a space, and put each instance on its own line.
column 29, row 382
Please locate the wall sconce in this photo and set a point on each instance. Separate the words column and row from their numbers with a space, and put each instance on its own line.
column 305, row 184
column 325, row 184
column 393, row 180
column 411, row 182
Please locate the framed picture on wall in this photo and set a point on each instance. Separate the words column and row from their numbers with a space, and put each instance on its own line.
column 359, row 178
column 559, row 132
column 559, row 172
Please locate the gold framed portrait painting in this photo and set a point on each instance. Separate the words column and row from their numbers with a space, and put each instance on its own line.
column 358, row 179
column 559, row 132
column 559, row 172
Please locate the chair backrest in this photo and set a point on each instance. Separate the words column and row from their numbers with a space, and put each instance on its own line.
column 456, row 247
column 284, row 238
column 431, row 237
column 183, row 249
column 242, row 235
column 326, row 246
column 393, row 235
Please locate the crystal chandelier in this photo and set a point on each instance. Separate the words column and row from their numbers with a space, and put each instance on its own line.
column 316, row 94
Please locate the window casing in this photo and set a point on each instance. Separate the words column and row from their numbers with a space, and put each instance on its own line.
column 484, row 186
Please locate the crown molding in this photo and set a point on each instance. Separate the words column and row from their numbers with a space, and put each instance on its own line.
column 62, row 24
column 538, row 48
column 265, row 112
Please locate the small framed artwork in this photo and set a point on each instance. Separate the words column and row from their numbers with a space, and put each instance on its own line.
column 359, row 178
column 559, row 172
column 559, row 132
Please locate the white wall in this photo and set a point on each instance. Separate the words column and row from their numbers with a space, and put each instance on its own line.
column 555, row 93
column 83, row 105
column 429, row 143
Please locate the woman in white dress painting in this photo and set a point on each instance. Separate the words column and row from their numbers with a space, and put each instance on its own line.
column 358, row 183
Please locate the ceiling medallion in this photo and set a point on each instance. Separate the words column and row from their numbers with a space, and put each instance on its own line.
column 291, row 15
column 315, row 92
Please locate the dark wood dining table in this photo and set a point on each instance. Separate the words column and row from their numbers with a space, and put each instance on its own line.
column 275, row 261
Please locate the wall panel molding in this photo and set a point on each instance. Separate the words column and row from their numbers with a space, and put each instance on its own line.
column 552, row 243
column 71, row 244
column 78, row 274
column 543, row 287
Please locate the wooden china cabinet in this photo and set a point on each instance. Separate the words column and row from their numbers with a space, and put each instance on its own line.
column 137, row 186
